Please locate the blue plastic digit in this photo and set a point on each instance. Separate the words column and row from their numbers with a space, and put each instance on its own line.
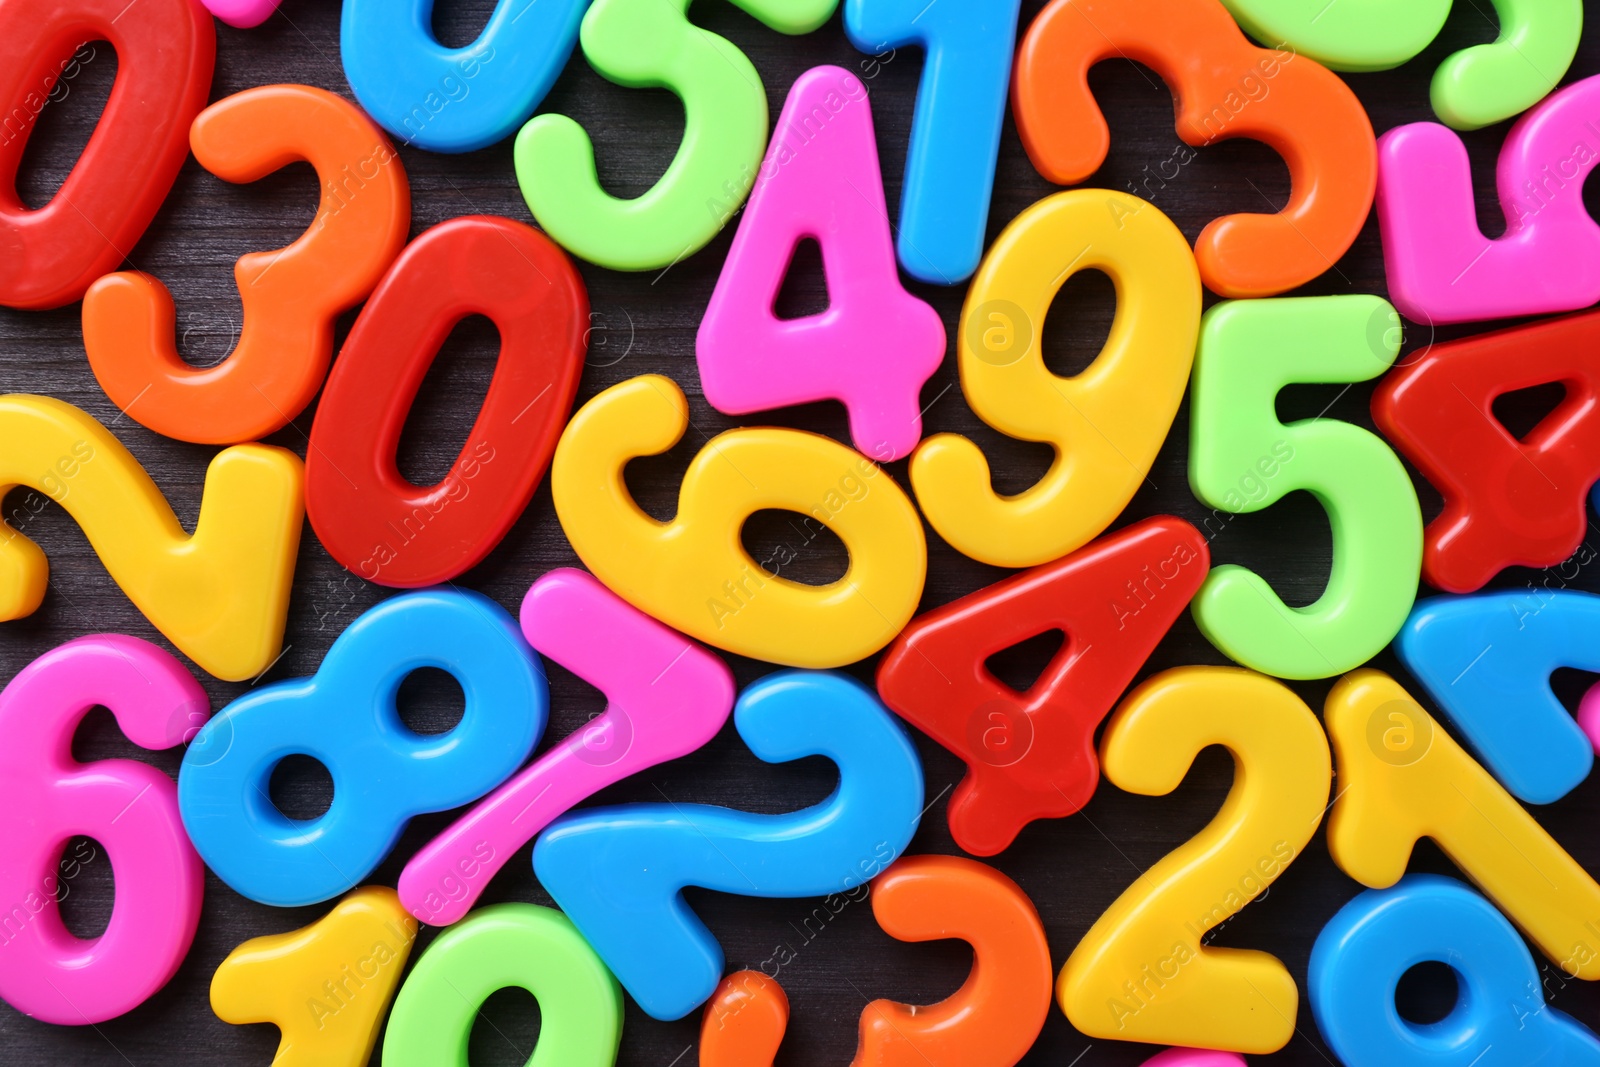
column 1486, row 659
column 455, row 99
column 1500, row 1018
column 955, row 131
column 383, row 773
column 619, row 872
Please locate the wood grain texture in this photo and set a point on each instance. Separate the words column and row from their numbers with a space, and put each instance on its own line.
column 1073, row 867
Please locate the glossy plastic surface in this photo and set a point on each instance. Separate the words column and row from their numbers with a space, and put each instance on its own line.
column 1475, row 87
column 1401, row 778
column 1486, row 660
column 1144, row 972
column 383, row 773
column 1440, row 266
column 454, row 99
column 1500, row 1018
column 290, row 296
column 1105, row 424
column 1243, row 459
column 694, row 574
column 130, row 808
column 505, row 946
column 619, row 872
column 1031, row 755
column 991, row 1021
column 221, row 594
column 876, row 344
column 955, row 129
column 326, row 986
column 665, row 697
column 1223, row 87
column 243, row 14
column 1507, row 501
column 370, row 517
column 652, row 44
column 166, row 51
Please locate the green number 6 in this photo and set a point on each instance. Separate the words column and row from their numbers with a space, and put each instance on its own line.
column 1242, row 459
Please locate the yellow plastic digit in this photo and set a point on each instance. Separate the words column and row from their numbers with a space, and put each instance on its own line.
column 694, row 574
column 221, row 595
column 1106, row 424
column 326, row 986
column 1402, row 778
column 1141, row 972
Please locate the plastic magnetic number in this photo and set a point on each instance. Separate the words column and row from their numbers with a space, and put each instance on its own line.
column 619, row 872
column 221, row 595
column 244, row 14
column 1500, row 1017
column 368, row 516
column 1031, row 755
column 454, row 99
column 521, row 945
column 1476, row 87
column 666, row 697
column 876, row 344
column 1105, row 424
column 955, row 130
column 1224, row 87
column 1486, row 660
column 345, row 717
column 1194, row 1057
column 326, row 986
column 1401, row 777
column 652, row 44
column 1249, row 350
column 1507, row 502
column 167, row 50
column 991, row 1021
column 693, row 574
column 1142, row 973
column 290, row 296
column 130, row 808
column 1440, row 266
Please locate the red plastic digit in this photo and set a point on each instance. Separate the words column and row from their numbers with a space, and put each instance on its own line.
column 1031, row 755
column 166, row 50
column 1223, row 87
column 370, row 518
column 1506, row 502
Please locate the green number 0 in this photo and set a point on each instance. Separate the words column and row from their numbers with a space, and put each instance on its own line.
column 1242, row 459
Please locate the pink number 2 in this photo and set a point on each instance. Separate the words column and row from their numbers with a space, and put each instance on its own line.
column 130, row 808
column 666, row 696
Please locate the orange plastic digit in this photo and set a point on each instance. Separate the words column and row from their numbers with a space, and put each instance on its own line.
column 291, row 296
column 991, row 1021
column 167, row 50
column 1224, row 87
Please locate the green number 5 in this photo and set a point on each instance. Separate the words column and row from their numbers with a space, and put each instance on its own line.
column 1242, row 459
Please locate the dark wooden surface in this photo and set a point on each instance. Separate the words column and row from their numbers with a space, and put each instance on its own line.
column 1073, row 868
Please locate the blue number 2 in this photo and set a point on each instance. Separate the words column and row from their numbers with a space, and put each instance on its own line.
column 618, row 872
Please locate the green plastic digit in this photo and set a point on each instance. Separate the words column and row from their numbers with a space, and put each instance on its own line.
column 494, row 948
column 650, row 44
column 1242, row 459
column 1476, row 87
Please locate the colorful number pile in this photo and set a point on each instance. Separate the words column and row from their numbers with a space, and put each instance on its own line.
column 638, row 622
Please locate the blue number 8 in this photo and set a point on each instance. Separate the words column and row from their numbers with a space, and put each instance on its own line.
column 383, row 772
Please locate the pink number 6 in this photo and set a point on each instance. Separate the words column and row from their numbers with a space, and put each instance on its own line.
column 130, row 808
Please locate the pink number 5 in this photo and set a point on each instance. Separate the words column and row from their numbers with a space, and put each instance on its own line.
column 130, row 808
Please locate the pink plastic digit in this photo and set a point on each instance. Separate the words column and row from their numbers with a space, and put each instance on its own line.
column 666, row 696
column 1195, row 1057
column 242, row 13
column 1442, row 268
column 876, row 344
column 130, row 808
